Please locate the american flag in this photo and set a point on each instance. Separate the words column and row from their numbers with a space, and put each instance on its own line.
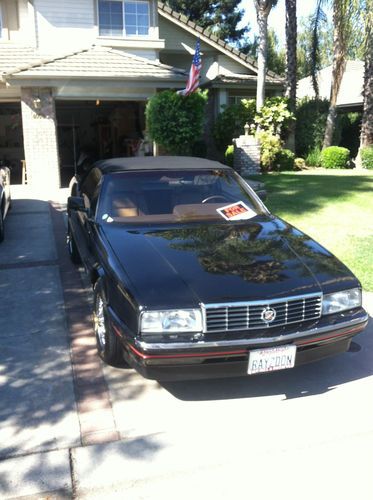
column 195, row 69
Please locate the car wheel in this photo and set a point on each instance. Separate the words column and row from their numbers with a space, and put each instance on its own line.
column 1, row 226
column 108, row 344
column 72, row 248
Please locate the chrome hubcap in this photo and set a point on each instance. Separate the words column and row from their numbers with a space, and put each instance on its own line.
column 99, row 320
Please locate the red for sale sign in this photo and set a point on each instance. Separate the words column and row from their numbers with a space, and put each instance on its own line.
column 236, row 211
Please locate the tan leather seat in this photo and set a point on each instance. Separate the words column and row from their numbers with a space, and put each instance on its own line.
column 124, row 205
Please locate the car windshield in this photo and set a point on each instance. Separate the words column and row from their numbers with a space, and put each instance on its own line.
column 165, row 196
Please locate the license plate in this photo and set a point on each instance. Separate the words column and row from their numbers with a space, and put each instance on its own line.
column 271, row 359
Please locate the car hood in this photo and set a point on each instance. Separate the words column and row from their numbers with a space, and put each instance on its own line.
column 263, row 258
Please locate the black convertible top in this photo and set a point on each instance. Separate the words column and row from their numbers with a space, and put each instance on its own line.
column 157, row 163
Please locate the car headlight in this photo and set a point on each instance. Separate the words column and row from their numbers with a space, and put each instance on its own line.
column 171, row 321
column 341, row 301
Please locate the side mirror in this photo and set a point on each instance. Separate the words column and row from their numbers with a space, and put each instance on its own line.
column 76, row 203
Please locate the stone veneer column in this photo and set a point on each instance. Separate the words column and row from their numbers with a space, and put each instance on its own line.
column 40, row 138
column 246, row 158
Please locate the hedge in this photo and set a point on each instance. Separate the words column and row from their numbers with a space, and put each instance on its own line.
column 284, row 160
column 175, row 121
column 335, row 157
column 367, row 157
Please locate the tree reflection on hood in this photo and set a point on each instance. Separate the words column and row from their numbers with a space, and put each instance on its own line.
column 258, row 252
column 232, row 249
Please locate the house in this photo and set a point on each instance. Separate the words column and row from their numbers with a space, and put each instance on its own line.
column 75, row 76
column 350, row 97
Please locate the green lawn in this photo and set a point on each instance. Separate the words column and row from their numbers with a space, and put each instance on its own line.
column 333, row 207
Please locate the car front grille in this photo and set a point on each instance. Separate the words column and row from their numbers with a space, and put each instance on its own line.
column 253, row 315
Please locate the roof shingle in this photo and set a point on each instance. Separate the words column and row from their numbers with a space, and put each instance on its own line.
column 94, row 62
column 351, row 90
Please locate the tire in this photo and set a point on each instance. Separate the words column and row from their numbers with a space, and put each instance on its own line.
column 72, row 248
column 1, row 226
column 108, row 344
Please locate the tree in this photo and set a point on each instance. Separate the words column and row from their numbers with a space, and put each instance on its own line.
column 346, row 16
column 366, row 137
column 341, row 15
column 291, row 63
column 263, row 8
column 276, row 56
column 222, row 17
column 355, row 48
column 231, row 121
column 305, row 54
column 175, row 121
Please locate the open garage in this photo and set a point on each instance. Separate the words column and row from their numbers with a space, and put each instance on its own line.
column 11, row 139
column 98, row 129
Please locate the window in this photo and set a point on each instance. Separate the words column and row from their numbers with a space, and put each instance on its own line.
column 171, row 196
column 236, row 99
column 123, row 18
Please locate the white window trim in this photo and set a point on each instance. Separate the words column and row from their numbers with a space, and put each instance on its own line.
column 124, row 34
column 237, row 98
column 3, row 30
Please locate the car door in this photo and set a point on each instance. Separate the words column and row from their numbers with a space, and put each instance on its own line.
column 5, row 183
column 82, row 222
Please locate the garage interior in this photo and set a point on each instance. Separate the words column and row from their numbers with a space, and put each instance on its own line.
column 11, row 139
column 92, row 130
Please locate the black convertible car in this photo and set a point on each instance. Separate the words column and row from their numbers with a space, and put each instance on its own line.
column 193, row 277
column 5, row 201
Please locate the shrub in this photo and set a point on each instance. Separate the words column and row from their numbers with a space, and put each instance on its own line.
column 313, row 159
column 299, row 164
column 284, row 160
column 367, row 157
column 175, row 121
column 229, row 155
column 270, row 147
column 311, row 117
column 231, row 121
column 274, row 116
column 335, row 157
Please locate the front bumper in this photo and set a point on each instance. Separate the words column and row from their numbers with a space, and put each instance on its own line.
column 229, row 357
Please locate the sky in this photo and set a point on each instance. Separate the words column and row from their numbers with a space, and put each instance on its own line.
column 276, row 18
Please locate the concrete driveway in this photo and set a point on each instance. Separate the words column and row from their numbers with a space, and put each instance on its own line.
column 71, row 427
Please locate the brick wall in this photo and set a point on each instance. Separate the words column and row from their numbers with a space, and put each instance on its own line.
column 40, row 137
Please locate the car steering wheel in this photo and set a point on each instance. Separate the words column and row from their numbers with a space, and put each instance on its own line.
column 214, row 196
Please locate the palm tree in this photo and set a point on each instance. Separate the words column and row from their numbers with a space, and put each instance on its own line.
column 366, row 137
column 291, row 63
column 341, row 22
column 263, row 8
column 345, row 14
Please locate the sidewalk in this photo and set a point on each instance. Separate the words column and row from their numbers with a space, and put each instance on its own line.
column 65, row 434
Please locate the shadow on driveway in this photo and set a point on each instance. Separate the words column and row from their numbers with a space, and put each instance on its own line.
column 38, row 408
column 299, row 382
